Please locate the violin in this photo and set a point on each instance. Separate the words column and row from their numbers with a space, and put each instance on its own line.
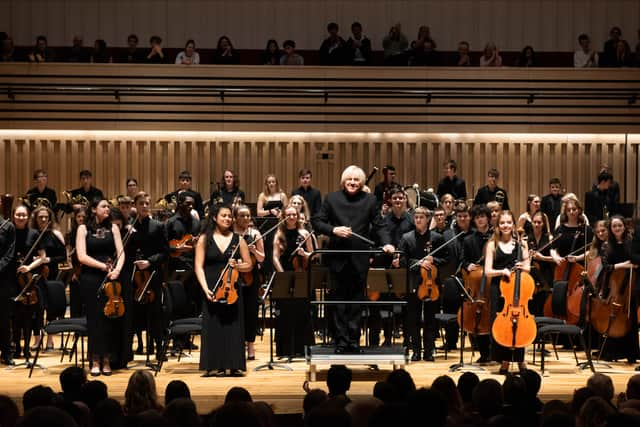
column 28, row 294
column 180, row 246
column 514, row 326
column 428, row 289
column 112, row 290
column 300, row 262
column 141, row 281
column 477, row 314
column 225, row 290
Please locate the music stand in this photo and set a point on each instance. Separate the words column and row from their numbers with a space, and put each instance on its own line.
column 376, row 282
column 464, row 295
column 279, row 287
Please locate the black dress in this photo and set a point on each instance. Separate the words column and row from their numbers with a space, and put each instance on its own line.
column 250, row 298
column 222, row 324
column 502, row 260
column 103, row 336
column 268, row 222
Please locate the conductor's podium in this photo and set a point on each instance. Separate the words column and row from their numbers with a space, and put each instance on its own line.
column 395, row 355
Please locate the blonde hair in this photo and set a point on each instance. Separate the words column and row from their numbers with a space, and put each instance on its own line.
column 304, row 209
column 280, row 238
column 496, row 233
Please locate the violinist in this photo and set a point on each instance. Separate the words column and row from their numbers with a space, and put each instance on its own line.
column 75, row 296
column 311, row 195
column 500, row 260
column 416, row 245
column 222, row 324
column 228, row 193
column 40, row 191
column 269, row 206
column 54, row 252
column 100, row 251
column 253, row 238
column 524, row 220
column 147, row 249
column 291, row 249
column 473, row 250
column 25, row 309
column 617, row 256
column 7, row 282
column 542, row 263
column 447, row 202
column 570, row 232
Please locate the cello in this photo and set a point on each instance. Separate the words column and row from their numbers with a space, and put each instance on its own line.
column 26, row 281
column 477, row 314
column 514, row 326
column 611, row 308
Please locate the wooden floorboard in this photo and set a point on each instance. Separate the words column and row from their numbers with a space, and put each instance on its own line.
column 283, row 389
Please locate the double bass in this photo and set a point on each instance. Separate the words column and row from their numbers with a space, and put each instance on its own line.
column 514, row 326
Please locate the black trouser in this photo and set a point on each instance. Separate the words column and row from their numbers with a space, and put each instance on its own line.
column 348, row 285
column 451, row 302
column 424, row 312
column 5, row 320
column 23, row 325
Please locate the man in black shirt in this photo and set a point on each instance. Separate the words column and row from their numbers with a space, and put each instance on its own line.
column 347, row 216
column 309, row 194
column 452, row 183
column 381, row 190
column 40, row 193
column 185, row 187
column 133, row 55
column 491, row 191
column 86, row 193
column 599, row 202
column 551, row 203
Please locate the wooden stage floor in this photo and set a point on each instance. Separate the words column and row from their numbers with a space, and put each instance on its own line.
column 283, row 389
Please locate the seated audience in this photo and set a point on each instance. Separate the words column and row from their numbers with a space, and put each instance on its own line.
column 610, row 47
column 359, row 46
column 585, row 57
column 491, row 57
column 109, row 413
column 9, row 413
column 339, row 381
column 41, row 52
column 225, row 53
column 238, row 394
column 395, row 45
column 72, row 379
column 133, row 55
column 463, row 59
column 175, row 390
column 271, row 54
column 527, row 58
column 188, row 56
column 78, row 52
column 290, row 57
column 8, row 53
column 141, row 394
column 182, row 412
column 99, row 54
column 333, row 48
column 156, row 55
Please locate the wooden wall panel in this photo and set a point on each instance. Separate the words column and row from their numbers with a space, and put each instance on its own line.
column 546, row 24
column 526, row 162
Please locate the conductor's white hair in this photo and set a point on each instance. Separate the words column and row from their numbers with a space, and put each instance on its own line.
column 354, row 171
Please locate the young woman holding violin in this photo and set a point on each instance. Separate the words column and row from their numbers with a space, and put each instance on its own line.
column 52, row 243
column 526, row 218
column 220, row 256
column 251, row 280
column 291, row 249
column 613, row 312
column 270, row 203
column 22, row 271
column 7, row 278
column 76, row 305
column 542, row 263
column 100, row 251
column 500, row 260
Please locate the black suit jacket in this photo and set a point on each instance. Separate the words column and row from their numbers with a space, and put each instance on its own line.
column 358, row 212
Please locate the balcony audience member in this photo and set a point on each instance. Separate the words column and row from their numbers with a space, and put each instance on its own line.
column 610, row 46
column 527, row 58
column 638, row 50
column 8, row 50
column 333, row 48
column 133, row 55
column 359, row 46
column 423, row 53
column 395, row 45
column 41, row 52
column 424, row 33
column 78, row 52
column 585, row 57
column 271, row 54
column 156, row 55
column 225, row 53
column 491, row 56
column 622, row 56
column 100, row 54
column 188, row 56
column 463, row 59
column 290, row 56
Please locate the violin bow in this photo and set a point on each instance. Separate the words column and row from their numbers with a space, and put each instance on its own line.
column 293, row 254
column 417, row 263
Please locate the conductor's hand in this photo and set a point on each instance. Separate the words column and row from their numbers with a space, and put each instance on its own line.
column 389, row 249
column 342, row 231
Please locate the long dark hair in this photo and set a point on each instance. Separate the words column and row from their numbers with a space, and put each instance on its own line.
column 91, row 223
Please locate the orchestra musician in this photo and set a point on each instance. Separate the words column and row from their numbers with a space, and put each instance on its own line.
column 132, row 188
column 7, row 280
column 86, row 190
column 473, row 252
column 494, row 210
column 451, row 183
column 542, row 263
column 76, row 306
column 491, row 191
column 228, row 193
column 599, row 202
column 53, row 252
column 381, row 189
column 184, row 180
column 346, row 216
column 550, row 204
column 500, row 259
column 311, row 195
column 524, row 220
column 292, row 247
column 242, row 225
column 571, row 228
column 100, row 251
column 40, row 191
column 146, row 251
column 270, row 203
column 222, row 323
column 417, row 245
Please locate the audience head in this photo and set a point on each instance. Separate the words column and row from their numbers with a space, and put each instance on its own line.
column 313, row 398
column 71, row 381
column 182, row 412
column 445, row 385
column 487, row 398
column 238, row 394
column 633, row 387
column 402, row 384
column 108, row 413
column 338, row 380
column 49, row 416
column 362, row 410
column 601, row 385
column 9, row 413
column 594, row 412
column 36, row 396
column 332, row 29
column 176, row 389
column 94, row 392
column 236, row 414
column 140, row 394
column 429, row 401
column 330, row 413
column 384, row 391
column 466, row 383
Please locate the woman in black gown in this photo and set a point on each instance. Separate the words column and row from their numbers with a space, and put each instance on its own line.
column 99, row 248
column 269, row 205
column 500, row 259
column 222, row 323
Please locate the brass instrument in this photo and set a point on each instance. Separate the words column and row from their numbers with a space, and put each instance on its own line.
column 500, row 196
column 78, row 199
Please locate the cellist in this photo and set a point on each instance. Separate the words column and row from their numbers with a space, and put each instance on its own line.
column 617, row 256
column 473, row 256
column 416, row 246
column 500, row 259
